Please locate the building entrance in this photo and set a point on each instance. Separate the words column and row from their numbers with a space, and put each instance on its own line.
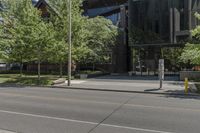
column 145, row 60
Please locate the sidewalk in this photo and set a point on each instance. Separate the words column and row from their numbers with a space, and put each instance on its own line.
column 128, row 85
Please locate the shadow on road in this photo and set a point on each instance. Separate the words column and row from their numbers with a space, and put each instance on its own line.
column 182, row 96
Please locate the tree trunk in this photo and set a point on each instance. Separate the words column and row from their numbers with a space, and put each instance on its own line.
column 21, row 66
column 21, row 69
column 93, row 66
column 39, row 71
column 61, row 69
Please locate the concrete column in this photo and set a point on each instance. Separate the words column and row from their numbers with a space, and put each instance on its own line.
column 176, row 23
column 190, row 15
column 123, row 16
column 171, row 24
column 122, row 47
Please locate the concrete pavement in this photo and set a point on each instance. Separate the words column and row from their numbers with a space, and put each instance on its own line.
column 118, row 83
column 51, row 110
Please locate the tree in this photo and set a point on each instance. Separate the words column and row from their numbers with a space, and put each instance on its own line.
column 79, row 37
column 102, row 35
column 42, row 39
column 91, row 38
column 191, row 53
column 14, row 48
column 58, row 54
column 26, row 35
column 171, row 56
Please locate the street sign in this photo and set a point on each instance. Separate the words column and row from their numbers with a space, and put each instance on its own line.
column 161, row 71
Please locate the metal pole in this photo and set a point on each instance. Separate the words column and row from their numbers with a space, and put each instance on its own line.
column 70, row 45
column 160, row 75
column 161, row 72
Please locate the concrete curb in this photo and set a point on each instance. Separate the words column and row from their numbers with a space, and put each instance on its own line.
column 125, row 91
column 192, row 87
column 6, row 131
column 104, row 90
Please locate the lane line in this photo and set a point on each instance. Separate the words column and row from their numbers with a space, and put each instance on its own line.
column 6, row 131
column 46, row 117
column 162, row 107
column 79, row 121
column 137, row 129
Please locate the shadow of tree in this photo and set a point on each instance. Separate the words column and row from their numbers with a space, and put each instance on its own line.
column 17, row 81
column 182, row 96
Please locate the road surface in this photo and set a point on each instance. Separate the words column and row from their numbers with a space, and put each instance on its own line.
column 52, row 110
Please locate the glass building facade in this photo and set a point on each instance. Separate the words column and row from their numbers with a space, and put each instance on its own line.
column 111, row 12
column 161, row 21
column 148, row 29
column 157, row 27
column 105, row 11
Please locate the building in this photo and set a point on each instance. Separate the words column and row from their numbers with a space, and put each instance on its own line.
column 34, row 2
column 148, row 27
column 4, row 65
column 158, row 24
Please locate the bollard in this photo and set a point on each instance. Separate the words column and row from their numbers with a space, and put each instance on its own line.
column 186, row 85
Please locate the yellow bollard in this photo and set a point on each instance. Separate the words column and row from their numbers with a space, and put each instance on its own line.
column 186, row 85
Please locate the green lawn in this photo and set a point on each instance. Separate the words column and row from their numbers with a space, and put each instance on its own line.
column 27, row 79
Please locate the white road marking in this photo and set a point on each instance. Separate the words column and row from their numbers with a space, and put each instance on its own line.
column 133, row 128
column 79, row 121
column 5, row 131
column 161, row 107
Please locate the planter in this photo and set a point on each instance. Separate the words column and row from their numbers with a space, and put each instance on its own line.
column 83, row 76
column 130, row 73
column 189, row 74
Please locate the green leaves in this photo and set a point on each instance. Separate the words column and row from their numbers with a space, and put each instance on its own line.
column 25, row 33
column 27, row 37
column 191, row 53
column 102, row 36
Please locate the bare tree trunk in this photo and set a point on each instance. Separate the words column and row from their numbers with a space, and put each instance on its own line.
column 61, row 69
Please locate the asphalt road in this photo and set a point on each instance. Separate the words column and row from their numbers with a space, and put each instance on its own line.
column 51, row 110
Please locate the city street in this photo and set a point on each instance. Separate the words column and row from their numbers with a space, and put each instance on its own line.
column 99, row 66
column 52, row 110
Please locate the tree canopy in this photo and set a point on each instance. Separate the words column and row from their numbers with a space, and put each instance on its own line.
column 26, row 36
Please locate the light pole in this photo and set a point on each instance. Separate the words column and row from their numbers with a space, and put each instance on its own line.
column 70, row 45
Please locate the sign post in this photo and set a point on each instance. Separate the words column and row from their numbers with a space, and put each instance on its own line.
column 161, row 72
